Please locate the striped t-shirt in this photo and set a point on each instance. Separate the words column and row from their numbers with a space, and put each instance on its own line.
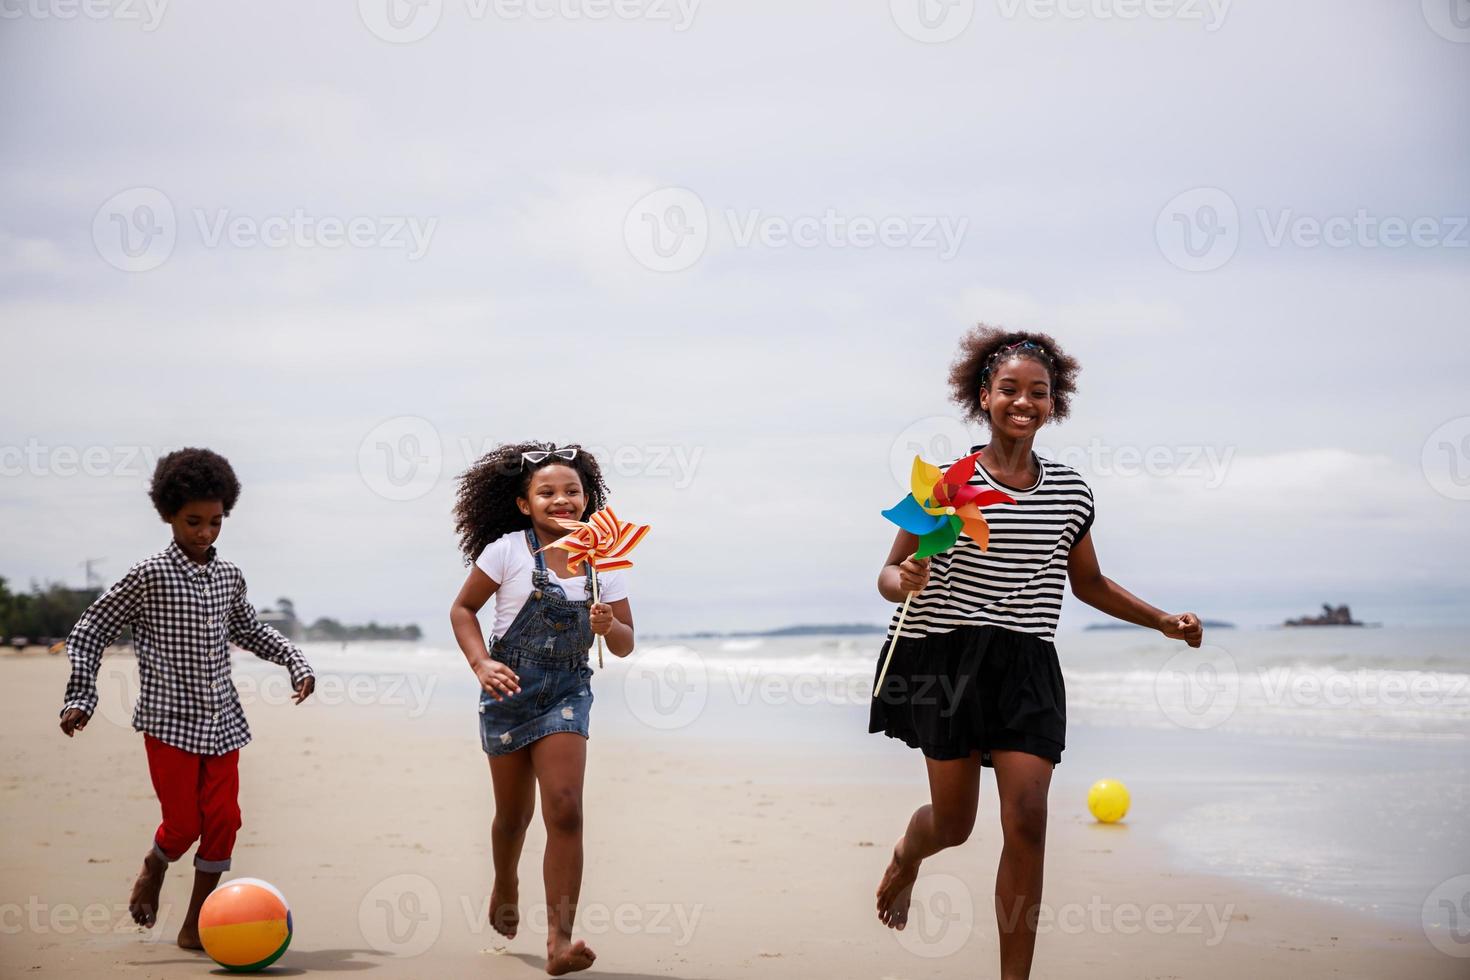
column 1018, row 582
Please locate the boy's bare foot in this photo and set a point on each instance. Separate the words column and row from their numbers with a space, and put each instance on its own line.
column 189, row 937
column 895, row 890
column 505, row 912
column 143, row 902
column 569, row 959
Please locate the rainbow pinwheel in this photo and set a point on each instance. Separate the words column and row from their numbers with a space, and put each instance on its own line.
column 942, row 504
column 603, row 541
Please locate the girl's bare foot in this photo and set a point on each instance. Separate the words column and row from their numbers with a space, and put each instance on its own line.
column 569, row 959
column 505, row 912
column 143, row 902
column 189, row 937
column 895, row 890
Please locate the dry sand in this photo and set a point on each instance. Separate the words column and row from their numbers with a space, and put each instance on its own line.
column 703, row 861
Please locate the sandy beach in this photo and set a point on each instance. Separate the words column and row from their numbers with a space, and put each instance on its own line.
column 706, row 858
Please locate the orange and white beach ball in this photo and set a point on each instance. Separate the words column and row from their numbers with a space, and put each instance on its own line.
column 245, row 924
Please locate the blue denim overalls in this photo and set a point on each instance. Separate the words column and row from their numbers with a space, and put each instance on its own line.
column 546, row 645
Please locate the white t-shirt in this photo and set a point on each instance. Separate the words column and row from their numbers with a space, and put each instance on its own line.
column 509, row 561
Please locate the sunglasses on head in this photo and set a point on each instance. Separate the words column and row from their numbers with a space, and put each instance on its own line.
column 541, row 455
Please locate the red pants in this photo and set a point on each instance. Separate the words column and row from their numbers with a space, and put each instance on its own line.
column 199, row 795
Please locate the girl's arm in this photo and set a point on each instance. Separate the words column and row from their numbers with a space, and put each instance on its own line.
column 613, row 621
column 1097, row 590
column 901, row 573
column 498, row 680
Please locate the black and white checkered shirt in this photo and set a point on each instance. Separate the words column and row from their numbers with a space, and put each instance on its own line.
column 184, row 616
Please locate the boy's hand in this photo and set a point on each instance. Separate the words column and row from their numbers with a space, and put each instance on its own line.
column 304, row 689
column 74, row 720
column 913, row 574
column 497, row 679
column 1183, row 626
column 601, row 618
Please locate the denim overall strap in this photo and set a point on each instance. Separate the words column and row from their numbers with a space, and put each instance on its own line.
column 541, row 578
column 550, row 628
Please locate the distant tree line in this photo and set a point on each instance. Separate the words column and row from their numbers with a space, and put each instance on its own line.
column 326, row 628
column 42, row 615
column 283, row 617
column 46, row 614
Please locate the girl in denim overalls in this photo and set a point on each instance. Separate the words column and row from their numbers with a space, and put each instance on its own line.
column 535, row 680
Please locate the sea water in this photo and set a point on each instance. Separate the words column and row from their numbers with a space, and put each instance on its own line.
column 1330, row 763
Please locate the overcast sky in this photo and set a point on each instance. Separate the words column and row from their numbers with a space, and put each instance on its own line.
column 734, row 244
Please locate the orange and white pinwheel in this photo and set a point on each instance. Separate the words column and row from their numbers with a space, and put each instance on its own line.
column 603, row 541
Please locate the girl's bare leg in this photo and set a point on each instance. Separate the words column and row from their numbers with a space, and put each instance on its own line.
column 514, row 780
column 945, row 821
column 1023, row 781
column 560, row 761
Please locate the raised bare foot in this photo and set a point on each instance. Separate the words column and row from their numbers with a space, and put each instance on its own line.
column 569, row 959
column 143, row 902
column 505, row 912
column 895, row 890
column 189, row 937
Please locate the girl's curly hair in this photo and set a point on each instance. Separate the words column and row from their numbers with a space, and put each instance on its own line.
column 485, row 506
column 985, row 347
column 186, row 475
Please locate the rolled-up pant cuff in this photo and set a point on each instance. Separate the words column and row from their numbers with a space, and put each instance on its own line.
column 159, row 851
column 203, row 865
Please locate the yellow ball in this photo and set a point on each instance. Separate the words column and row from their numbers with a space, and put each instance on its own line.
column 1108, row 800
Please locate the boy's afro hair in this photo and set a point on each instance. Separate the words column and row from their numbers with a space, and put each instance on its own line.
column 187, row 475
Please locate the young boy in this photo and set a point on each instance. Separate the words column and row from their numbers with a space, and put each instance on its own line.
column 185, row 605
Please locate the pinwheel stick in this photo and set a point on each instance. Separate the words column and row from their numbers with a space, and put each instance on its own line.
column 594, row 602
column 891, row 643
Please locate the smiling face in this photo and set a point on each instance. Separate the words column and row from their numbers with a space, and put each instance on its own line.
column 1018, row 400
column 196, row 526
column 554, row 492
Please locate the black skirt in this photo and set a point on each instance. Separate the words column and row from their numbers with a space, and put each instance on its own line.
column 974, row 689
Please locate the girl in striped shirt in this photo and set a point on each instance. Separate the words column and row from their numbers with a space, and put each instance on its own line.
column 974, row 679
